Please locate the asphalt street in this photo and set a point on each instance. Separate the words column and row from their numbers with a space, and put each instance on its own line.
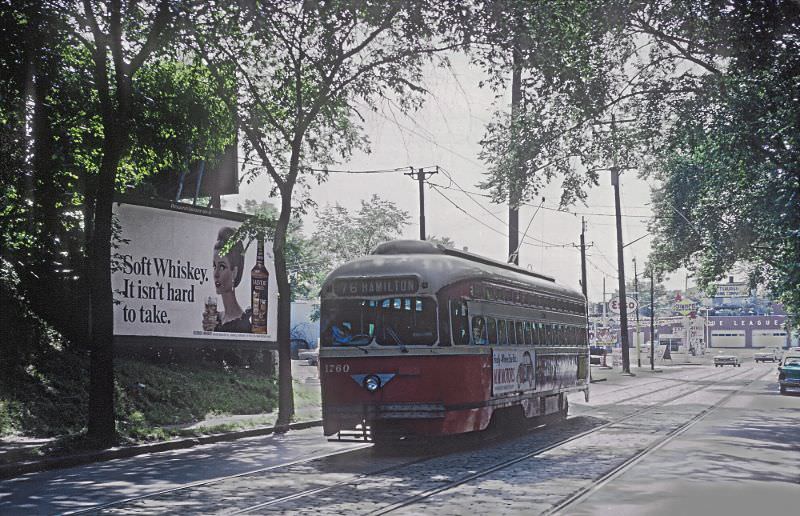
column 743, row 458
column 687, row 440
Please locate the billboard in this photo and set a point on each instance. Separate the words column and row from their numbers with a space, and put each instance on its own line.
column 171, row 279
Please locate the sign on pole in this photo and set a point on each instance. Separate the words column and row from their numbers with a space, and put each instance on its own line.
column 615, row 304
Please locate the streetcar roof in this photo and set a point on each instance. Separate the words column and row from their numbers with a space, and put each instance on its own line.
column 439, row 266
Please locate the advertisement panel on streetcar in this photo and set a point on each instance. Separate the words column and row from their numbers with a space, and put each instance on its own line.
column 512, row 370
column 172, row 278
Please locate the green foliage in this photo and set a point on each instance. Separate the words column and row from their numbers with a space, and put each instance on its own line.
column 305, row 266
column 709, row 95
column 568, row 55
column 728, row 165
column 51, row 140
column 42, row 384
column 150, row 395
column 343, row 236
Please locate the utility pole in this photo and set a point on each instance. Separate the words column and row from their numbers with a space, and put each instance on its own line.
column 584, row 287
column 652, row 319
column 513, row 195
column 420, row 176
column 623, row 312
column 636, row 288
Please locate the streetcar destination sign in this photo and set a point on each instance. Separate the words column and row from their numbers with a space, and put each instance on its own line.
column 375, row 286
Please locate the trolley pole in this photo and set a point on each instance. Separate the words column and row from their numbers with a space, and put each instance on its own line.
column 420, row 176
column 652, row 319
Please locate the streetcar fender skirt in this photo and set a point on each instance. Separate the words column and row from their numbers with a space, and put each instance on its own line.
column 408, row 418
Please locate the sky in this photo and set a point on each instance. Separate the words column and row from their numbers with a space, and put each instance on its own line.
column 446, row 132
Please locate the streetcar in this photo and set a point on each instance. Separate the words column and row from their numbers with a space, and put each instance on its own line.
column 419, row 340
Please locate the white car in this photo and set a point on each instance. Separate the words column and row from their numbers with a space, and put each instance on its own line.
column 310, row 355
column 765, row 356
column 723, row 360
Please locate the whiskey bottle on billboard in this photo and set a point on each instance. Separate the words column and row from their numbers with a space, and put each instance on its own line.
column 259, row 283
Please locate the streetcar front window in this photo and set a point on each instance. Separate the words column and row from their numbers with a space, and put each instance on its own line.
column 389, row 322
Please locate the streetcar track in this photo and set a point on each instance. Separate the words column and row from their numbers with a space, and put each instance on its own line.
column 313, row 491
column 505, row 464
column 425, row 494
column 585, row 492
column 201, row 483
column 678, row 382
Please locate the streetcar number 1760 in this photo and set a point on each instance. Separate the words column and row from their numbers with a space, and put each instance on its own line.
column 337, row 368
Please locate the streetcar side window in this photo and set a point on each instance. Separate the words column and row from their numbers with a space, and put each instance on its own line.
column 527, row 331
column 512, row 336
column 479, row 330
column 491, row 327
column 502, row 338
column 535, row 340
column 520, row 333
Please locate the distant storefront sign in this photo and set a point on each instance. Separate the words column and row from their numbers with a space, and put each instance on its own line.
column 684, row 306
column 733, row 290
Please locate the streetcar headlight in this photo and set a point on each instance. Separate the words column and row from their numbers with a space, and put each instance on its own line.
column 372, row 383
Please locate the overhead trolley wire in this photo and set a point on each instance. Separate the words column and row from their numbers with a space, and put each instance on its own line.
column 482, row 223
column 543, row 207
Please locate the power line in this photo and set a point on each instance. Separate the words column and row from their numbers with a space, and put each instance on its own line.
column 341, row 171
column 453, row 181
column 465, row 212
column 337, row 171
column 536, row 206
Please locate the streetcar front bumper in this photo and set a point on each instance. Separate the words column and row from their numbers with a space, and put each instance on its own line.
column 374, row 411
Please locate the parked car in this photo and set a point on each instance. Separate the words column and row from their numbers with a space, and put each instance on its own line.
column 724, row 359
column 310, row 355
column 789, row 372
column 597, row 354
column 765, row 356
column 297, row 345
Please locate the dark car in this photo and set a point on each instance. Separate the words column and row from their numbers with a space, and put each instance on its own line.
column 789, row 372
column 597, row 354
column 296, row 345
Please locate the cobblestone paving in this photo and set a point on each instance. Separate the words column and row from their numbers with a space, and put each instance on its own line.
column 363, row 482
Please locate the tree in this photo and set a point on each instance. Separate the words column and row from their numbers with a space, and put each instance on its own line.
column 120, row 37
column 563, row 55
column 728, row 162
column 343, row 236
column 301, row 67
column 710, row 90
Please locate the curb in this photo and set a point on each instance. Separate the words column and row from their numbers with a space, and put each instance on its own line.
column 34, row 466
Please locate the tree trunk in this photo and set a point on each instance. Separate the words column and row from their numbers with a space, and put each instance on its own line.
column 285, row 388
column 101, row 423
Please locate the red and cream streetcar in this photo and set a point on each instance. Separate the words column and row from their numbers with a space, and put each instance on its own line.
column 421, row 340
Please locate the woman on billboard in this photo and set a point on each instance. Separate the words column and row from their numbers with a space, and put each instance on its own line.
column 228, row 270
